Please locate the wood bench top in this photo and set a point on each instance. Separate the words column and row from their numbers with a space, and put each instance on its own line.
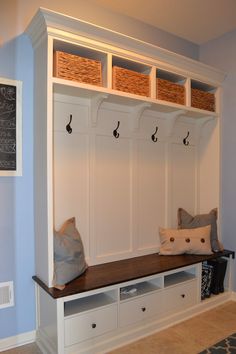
column 107, row 274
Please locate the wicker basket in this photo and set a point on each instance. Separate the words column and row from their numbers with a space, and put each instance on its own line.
column 202, row 100
column 171, row 92
column 73, row 67
column 130, row 81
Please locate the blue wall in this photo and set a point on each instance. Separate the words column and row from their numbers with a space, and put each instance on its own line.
column 16, row 201
column 221, row 53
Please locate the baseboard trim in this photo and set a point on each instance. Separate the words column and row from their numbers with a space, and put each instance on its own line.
column 233, row 297
column 17, row 341
column 45, row 343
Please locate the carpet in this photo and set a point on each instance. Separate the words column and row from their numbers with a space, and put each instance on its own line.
column 225, row 346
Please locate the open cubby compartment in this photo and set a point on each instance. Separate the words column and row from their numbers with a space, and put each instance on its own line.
column 180, row 276
column 203, row 96
column 131, row 76
column 92, row 67
column 90, row 302
column 140, row 288
column 170, row 87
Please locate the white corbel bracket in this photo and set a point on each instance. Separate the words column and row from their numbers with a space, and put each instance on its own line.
column 95, row 104
column 171, row 119
column 138, row 112
column 201, row 124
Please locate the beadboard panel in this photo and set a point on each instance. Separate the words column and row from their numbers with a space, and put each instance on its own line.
column 71, row 182
column 71, row 167
column 183, row 179
column 112, row 196
column 151, row 192
column 121, row 189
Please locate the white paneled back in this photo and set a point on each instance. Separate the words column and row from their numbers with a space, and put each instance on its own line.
column 121, row 187
column 182, row 179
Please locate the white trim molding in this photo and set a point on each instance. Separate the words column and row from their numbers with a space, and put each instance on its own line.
column 17, row 341
column 233, row 297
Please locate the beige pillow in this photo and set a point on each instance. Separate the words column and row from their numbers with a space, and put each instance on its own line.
column 187, row 221
column 191, row 241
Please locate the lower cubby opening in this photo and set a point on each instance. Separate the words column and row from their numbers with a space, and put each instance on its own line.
column 88, row 303
column 213, row 280
column 179, row 277
column 138, row 289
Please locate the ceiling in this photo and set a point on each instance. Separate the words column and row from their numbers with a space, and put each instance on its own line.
column 195, row 20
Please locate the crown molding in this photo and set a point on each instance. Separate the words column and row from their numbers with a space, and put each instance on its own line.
column 48, row 22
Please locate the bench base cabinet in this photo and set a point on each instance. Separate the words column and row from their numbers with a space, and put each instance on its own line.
column 103, row 319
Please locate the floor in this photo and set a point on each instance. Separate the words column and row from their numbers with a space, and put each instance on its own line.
column 188, row 337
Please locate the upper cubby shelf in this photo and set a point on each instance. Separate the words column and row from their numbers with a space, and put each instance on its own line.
column 70, row 88
column 80, row 70
column 124, row 69
column 128, row 70
column 49, row 24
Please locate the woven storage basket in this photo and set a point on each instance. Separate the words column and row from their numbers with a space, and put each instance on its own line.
column 202, row 100
column 130, row 81
column 73, row 67
column 169, row 91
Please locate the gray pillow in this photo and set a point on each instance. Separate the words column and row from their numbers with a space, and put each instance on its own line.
column 69, row 259
column 187, row 221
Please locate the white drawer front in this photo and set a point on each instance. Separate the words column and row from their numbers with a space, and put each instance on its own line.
column 135, row 310
column 180, row 297
column 90, row 324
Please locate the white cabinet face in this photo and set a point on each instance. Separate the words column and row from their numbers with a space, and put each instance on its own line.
column 183, row 179
column 112, row 195
column 71, row 171
column 89, row 325
column 150, row 192
column 141, row 308
column 180, row 297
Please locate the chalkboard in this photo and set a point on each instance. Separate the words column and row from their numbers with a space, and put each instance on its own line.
column 10, row 123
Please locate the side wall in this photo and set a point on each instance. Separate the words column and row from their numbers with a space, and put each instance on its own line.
column 222, row 54
column 16, row 202
column 91, row 12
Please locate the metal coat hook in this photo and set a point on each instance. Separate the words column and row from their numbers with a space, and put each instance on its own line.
column 115, row 132
column 185, row 141
column 68, row 127
column 154, row 138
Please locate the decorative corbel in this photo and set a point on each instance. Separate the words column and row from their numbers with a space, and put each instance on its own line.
column 138, row 112
column 95, row 104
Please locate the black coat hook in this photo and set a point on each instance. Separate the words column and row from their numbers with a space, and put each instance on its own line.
column 68, row 127
column 115, row 132
column 185, row 141
column 154, row 138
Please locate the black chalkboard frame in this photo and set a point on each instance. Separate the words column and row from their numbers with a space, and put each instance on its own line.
column 10, row 127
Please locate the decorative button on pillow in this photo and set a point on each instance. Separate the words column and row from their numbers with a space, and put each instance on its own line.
column 187, row 221
column 191, row 241
column 69, row 259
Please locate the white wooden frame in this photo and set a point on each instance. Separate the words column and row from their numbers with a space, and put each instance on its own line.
column 17, row 147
